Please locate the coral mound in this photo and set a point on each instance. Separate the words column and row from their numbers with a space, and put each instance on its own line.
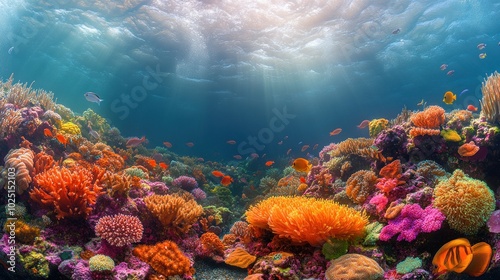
column 164, row 257
column 354, row 267
column 119, row 230
column 467, row 203
column 311, row 220
column 20, row 162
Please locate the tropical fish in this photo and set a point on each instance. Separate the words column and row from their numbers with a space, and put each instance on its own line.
column 280, row 142
column 135, row 141
column 254, row 155
column 396, row 31
column 482, row 55
column 463, row 91
column 217, row 173
column 481, row 46
column 231, row 142
column 48, row 133
column 190, row 144
column 315, row 147
column 237, row 157
column 335, row 131
column 364, row 124
column 301, row 165
column 226, row 180
column 151, row 162
column 449, row 97
column 93, row 97
column 269, row 163
column 61, row 139
column 10, row 50
column 450, row 73
column 163, row 165
column 286, row 137
column 167, row 144
column 472, row 108
column 443, row 67
column 305, row 147
column 288, row 152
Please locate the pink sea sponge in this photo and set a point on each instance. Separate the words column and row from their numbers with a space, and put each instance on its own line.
column 185, row 182
column 411, row 221
column 119, row 230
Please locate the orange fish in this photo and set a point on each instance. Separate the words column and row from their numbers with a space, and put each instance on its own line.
column 62, row 139
column 364, row 124
column 243, row 196
column 47, row 133
column 226, row 180
column 151, row 162
column 217, row 173
column 167, row 144
column 269, row 163
column 302, row 180
column 305, row 147
column 472, row 108
column 231, row 142
column 237, row 157
column 288, row 152
column 335, row 131
column 302, row 165
column 190, row 144
column 163, row 165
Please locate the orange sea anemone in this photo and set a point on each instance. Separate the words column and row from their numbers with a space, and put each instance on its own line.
column 306, row 219
column 468, row 149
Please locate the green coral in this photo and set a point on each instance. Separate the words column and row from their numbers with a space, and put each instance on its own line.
column 334, row 248
column 376, row 126
column 219, row 213
column 134, row 171
column 408, row 265
column 101, row 263
column 224, row 194
column 36, row 264
column 372, row 233
column 97, row 122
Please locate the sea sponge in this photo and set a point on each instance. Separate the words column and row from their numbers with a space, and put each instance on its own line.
column 165, row 258
column 70, row 128
column 119, row 230
column 354, row 267
column 467, row 203
column 101, row 263
column 307, row 219
column 20, row 163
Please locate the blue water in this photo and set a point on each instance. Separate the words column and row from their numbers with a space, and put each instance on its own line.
column 210, row 71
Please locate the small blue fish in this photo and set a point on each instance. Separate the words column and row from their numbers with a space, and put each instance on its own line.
column 93, row 97
column 10, row 50
column 463, row 91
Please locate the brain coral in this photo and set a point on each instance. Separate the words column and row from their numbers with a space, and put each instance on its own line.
column 20, row 162
column 354, row 267
column 467, row 203
column 305, row 219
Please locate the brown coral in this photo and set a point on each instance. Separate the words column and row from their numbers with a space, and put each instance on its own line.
column 173, row 210
column 20, row 162
column 354, row 267
column 360, row 185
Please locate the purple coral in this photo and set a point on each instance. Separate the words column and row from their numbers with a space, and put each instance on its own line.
column 494, row 222
column 411, row 221
column 185, row 182
column 199, row 194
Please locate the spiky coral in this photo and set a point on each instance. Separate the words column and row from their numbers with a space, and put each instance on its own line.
column 174, row 210
column 310, row 220
column 467, row 203
column 69, row 193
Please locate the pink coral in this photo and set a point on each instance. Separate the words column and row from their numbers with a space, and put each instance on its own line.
column 412, row 221
column 119, row 230
column 185, row 182
column 380, row 201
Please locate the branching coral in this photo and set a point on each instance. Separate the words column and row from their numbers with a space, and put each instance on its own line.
column 69, row 193
column 310, row 220
column 467, row 203
column 174, row 210
column 19, row 162
column 165, row 258
column 43, row 162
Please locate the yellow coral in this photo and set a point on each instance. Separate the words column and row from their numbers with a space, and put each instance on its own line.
column 467, row 203
column 70, row 128
column 306, row 219
column 376, row 126
column 25, row 233
column 450, row 135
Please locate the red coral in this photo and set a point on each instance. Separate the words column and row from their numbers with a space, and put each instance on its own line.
column 119, row 230
column 69, row 193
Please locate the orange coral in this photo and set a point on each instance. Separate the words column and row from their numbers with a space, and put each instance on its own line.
column 110, row 160
column 468, row 149
column 240, row 258
column 43, row 162
column 174, row 210
column 391, row 170
column 431, row 117
column 25, row 233
column 360, row 185
column 420, row 131
column 21, row 161
column 304, row 219
column 165, row 258
column 211, row 244
column 115, row 184
column 69, row 193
